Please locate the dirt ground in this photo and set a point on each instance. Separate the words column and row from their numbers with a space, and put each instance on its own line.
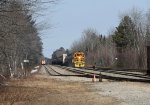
column 41, row 90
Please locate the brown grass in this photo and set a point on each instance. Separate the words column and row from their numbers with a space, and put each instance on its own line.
column 33, row 88
column 41, row 90
column 18, row 91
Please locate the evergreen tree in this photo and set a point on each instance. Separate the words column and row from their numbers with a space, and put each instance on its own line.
column 124, row 35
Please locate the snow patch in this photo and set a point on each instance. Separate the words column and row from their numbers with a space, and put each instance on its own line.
column 35, row 69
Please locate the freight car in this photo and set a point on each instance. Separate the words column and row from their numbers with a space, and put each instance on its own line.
column 59, row 56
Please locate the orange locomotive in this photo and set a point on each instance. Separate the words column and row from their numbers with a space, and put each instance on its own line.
column 78, row 59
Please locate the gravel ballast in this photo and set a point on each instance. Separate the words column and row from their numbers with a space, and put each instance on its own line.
column 127, row 93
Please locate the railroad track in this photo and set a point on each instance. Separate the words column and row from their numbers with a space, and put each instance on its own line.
column 51, row 71
column 111, row 74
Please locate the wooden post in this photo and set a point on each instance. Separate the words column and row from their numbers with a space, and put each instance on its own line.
column 100, row 77
column 148, row 60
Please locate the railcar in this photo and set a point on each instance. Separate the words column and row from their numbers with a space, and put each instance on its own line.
column 43, row 62
column 61, row 60
column 59, row 56
column 78, row 59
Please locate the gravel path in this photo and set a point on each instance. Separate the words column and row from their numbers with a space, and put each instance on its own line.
column 128, row 93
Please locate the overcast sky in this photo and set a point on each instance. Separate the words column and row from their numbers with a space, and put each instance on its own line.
column 69, row 18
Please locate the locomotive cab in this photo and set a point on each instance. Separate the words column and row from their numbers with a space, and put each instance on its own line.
column 78, row 59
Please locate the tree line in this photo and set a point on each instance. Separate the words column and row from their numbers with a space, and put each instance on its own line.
column 19, row 37
column 123, row 47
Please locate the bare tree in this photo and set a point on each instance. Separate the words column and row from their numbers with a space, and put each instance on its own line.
column 98, row 48
column 19, row 35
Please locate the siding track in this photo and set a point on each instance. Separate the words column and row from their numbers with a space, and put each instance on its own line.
column 119, row 75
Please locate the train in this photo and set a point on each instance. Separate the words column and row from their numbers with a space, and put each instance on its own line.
column 78, row 59
column 64, row 58
column 43, row 62
column 59, row 56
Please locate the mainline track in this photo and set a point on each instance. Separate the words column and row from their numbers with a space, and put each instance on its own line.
column 51, row 71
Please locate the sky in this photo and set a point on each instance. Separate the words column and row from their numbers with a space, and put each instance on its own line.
column 66, row 20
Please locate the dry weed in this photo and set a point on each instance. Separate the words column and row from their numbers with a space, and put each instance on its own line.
column 17, row 91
